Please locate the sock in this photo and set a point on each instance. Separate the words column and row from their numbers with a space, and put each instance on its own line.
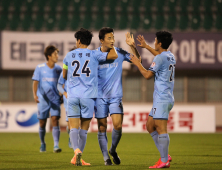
column 163, row 141
column 82, row 139
column 74, row 137
column 102, row 138
column 42, row 135
column 56, row 135
column 155, row 139
column 116, row 136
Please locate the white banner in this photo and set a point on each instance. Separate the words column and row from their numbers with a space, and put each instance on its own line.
column 182, row 118
column 20, row 118
column 25, row 50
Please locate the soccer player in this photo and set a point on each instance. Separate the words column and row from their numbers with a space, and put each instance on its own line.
column 82, row 87
column 110, row 94
column 47, row 97
column 163, row 68
column 62, row 88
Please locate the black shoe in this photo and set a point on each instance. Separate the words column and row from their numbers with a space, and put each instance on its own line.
column 116, row 158
column 108, row 162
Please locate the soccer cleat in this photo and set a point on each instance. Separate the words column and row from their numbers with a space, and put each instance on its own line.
column 169, row 158
column 116, row 158
column 76, row 160
column 160, row 164
column 85, row 163
column 108, row 162
column 43, row 148
column 56, row 149
column 70, row 145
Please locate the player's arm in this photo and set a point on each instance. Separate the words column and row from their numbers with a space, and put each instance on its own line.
column 146, row 73
column 60, row 88
column 112, row 54
column 143, row 44
column 64, row 70
column 34, row 90
column 130, row 41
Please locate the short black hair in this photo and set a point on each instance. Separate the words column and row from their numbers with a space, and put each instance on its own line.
column 104, row 31
column 84, row 35
column 165, row 38
column 49, row 50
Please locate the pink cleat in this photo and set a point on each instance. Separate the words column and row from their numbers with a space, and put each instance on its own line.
column 169, row 158
column 161, row 164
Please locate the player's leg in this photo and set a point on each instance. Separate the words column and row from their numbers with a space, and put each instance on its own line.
column 160, row 116
column 74, row 118
column 55, row 116
column 116, row 111
column 43, row 114
column 56, row 133
column 42, row 125
column 150, row 125
column 101, row 115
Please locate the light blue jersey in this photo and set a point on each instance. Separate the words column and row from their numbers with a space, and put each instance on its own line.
column 110, row 75
column 163, row 67
column 82, row 73
column 48, row 79
column 48, row 95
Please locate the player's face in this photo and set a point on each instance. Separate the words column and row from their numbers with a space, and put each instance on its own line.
column 157, row 44
column 55, row 56
column 108, row 41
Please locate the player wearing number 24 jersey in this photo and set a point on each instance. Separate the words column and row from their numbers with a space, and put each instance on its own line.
column 80, row 68
column 163, row 68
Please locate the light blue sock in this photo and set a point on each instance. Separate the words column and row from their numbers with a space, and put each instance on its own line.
column 163, row 141
column 102, row 138
column 56, row 135
column 74, row 137
column 155, row 139
column 82, row 139
column 42, row 135
column 116, row 136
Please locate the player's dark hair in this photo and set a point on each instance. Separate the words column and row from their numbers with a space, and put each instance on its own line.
column 84, row 35
column 104, row 31
column 49, row 50
column 165, row 38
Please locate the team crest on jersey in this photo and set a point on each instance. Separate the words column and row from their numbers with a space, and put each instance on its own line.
column 153, row 64
column 73, row 55
column 80, row 55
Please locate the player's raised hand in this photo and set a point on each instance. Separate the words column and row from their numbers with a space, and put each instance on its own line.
column 142, row 41
column 134, row 59
column 36, row 99
column 129, row 39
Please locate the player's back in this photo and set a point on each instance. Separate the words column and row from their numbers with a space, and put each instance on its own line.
column 164, row 78
column 83, row 72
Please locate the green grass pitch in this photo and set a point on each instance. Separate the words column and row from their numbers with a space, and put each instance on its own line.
column 20, row 151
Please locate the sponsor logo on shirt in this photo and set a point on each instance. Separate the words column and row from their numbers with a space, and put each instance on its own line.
column 50, row 79
column 108, row 65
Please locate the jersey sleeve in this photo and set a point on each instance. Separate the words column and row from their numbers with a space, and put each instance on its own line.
column 156, row 64
column 124, row 53
column 100, row 56
column 65, row 63
column 36, row 74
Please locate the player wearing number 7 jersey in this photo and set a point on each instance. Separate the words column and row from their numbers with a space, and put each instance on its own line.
column 82, row 88
column 163, row 68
